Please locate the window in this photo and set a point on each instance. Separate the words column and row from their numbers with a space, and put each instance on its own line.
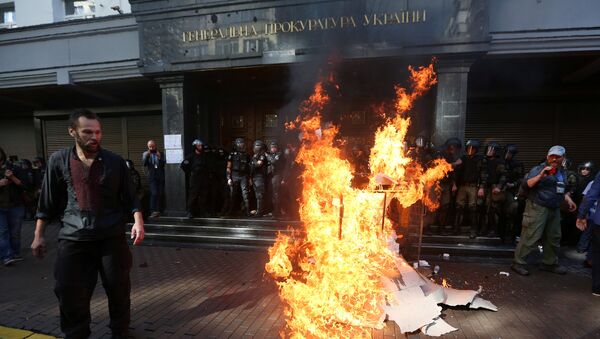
column 79, row 9
column 7, row 15
column 237, row 121
column 252, row 46
column 271, row 120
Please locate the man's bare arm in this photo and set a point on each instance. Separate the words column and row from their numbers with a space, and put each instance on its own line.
column 38, row 246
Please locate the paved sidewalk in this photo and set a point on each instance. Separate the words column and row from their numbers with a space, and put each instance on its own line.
column 184, row 292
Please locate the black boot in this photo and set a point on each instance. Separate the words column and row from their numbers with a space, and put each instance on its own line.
column 474, row 224
column 457, row 222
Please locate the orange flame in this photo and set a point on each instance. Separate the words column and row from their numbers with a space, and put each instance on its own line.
column 330, row 277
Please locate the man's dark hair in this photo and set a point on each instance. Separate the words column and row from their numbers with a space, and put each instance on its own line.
column 2, row 155
column 80, row 112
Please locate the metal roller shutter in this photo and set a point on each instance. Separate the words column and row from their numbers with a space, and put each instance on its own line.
column 112, row 135
column 56, row 135
column 578, row 132
column 140, row 129
column 530, row 127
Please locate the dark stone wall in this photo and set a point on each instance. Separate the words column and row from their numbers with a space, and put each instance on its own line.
column 178, row 36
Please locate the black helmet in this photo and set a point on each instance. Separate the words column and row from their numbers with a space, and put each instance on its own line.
column 197, row 142
column 25, row 163
column 588, row 164
column 421, row 140
column 240, row 144
column 473, row 143
column 273, row 143
column 492, row 148
column 259, row 145
column 512, row 149
column 129, row 164
column 453, row 142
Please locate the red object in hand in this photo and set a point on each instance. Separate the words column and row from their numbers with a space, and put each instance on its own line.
column 552, row 171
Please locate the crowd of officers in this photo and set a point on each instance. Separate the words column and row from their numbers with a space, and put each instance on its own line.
column 485, row 189
column 482, row 191
column 264, row 183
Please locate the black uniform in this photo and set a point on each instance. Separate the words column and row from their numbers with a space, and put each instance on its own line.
column 515, row 171
column 276, row 170
column 493, row 176
column 240, row 170
column 447, row 196
column 468, row 175
column 259, row 170
column 197, row 166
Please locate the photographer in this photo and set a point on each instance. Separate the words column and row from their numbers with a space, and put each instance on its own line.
column 13, row 184
column 154, row 163
column 545, row 187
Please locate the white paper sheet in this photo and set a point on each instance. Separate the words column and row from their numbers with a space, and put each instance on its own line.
column 173, row 141
column 411, row 309
column 482, row 303
column 456, row 297
column 437, row 328
column 174, row 156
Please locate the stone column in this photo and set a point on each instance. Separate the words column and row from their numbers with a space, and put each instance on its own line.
column 174, row 124
column 451, row 101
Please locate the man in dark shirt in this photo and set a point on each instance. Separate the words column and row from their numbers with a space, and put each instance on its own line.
column 546, row 188
column 154, row 162
column 91, row 189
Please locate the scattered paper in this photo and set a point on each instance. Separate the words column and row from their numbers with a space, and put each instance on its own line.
column 408, row 276
column 482, row 303
column 423, row 263
column 437, row 328
column 456, row 297
column 505, row 273
column 411, row 309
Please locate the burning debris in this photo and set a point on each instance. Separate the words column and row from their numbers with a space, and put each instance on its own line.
column 343, row 275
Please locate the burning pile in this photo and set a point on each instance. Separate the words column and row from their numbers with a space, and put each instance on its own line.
column 330, row 277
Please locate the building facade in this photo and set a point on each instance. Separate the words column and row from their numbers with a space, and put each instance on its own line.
column 513, row 71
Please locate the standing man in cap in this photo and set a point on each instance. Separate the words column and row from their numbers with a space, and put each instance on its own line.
column 546, row 188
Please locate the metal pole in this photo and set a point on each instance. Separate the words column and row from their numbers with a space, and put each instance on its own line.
column 341, row 217
column 383, row 211
column 422, row 214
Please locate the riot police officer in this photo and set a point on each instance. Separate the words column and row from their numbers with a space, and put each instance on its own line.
column 450, row 153
column 569, row 232
column 422, row 150
column 514, row 176
column 259, row 166
column 493, row 179
column 585, row 174
column 468, row 174
column 238, row 171
column 276, row 168
column 196, row 166
column 222, row 201
column 135, row 177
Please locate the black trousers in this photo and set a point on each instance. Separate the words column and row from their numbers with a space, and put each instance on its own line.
column 198, row 196
column 76, row 272
column 595, row 256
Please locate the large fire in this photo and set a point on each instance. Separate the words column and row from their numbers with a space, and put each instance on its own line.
column 330, row 276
